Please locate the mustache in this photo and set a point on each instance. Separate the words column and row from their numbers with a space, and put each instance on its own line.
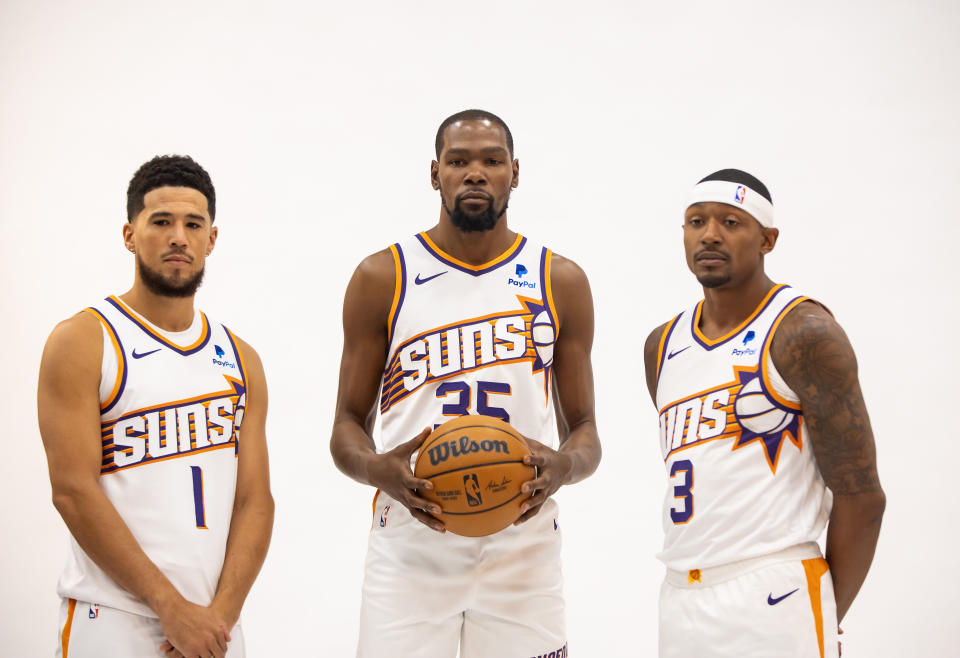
column 712, row 253
column 178, row 252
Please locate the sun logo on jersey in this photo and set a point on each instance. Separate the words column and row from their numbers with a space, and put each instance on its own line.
column 742, row 410
column 524, row 334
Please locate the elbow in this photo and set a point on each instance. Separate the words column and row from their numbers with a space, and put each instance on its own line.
column 68, row 498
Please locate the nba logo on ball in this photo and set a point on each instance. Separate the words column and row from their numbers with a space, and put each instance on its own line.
column 757, row 413
column 472, row 488
column 741, row 192
column 543, row 337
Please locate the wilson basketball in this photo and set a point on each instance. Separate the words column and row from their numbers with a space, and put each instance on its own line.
column 476, row 466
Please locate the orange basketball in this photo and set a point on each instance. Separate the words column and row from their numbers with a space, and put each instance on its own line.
column 476, row 466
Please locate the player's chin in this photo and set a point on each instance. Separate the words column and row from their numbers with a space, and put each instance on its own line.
column 710, row 278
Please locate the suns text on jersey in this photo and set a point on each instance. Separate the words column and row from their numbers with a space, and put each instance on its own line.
column 173, row 429
column 461, row 347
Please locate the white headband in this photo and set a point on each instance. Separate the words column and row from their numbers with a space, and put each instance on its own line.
column 736, row 195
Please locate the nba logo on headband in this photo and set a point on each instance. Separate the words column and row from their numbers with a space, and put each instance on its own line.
column 741, row 192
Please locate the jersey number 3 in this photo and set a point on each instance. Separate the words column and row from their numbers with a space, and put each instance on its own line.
column 683, row 471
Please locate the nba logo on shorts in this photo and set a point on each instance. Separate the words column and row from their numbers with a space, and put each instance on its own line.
column 94, row 611
column 383, row 516
column 472, row 487
column 741, row 192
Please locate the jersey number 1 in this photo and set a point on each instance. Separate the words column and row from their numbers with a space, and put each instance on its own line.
column 198, row 497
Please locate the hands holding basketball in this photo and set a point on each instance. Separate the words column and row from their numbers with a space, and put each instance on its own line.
column 390, row 471
column 553, row 469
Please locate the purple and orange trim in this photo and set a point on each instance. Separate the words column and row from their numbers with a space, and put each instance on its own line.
column 187, row 350
column 474, row 270
column 121, row 380
column 708, row 343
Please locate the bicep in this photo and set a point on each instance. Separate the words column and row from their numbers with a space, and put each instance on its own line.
column 572, row 366
column 365, row 310
column 68, row 401
column 815, row 358
column 253, row 467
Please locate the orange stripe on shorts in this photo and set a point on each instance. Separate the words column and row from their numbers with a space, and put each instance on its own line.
column 65, row 635
column 814, row 569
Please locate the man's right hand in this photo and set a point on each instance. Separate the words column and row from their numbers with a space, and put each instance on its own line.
column 192, row 630
column 391, row 472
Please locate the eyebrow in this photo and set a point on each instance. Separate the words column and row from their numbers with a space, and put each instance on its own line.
column 485, row 149
column 163, row 213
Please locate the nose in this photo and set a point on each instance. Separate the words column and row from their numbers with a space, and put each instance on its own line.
column 475, row 176
column 711, row 232
column 178, row 235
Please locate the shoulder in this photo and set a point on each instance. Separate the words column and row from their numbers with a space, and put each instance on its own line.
column 74, row 348
column 566, row 273
column 810, row 340
column 571, row 290
column 81, row 330
column 652, row 346
column 379, row 266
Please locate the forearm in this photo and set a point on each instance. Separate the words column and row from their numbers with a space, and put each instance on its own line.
column 247, row 544
column 851, row 542
column 352, row 449
column 582, row 446
column 102, row 534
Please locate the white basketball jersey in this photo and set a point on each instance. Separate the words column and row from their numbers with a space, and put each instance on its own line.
column 170, row 408
column 743, row 480
column 468, row 339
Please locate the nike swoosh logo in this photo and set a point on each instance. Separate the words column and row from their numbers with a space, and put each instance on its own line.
column 143, row 354
column 420, row 281
column 775, row 601
column 673, row 354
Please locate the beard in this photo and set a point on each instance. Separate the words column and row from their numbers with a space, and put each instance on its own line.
column 469, row 222
column 713, row 280
column 163, row 286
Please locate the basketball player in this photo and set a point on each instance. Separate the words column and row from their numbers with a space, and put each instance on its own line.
column 765, row 436
column 432, row 324
column 141, row 399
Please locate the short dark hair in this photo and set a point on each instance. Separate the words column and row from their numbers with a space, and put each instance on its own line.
column 172, row 171
column 742, row 178
column 473, row 115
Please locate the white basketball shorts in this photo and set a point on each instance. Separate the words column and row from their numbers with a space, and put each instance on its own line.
column 425, row 594
column 89, row 630
column 775, row 606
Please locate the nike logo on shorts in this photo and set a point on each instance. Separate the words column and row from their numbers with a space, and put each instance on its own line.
column 143, row 354
column 420, row 281
column 775, row 601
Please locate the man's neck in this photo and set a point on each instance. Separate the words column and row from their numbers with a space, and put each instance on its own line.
column 725, row 308
column 168, row 313
column 474, row 247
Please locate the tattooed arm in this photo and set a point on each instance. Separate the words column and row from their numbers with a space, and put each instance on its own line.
column 815, row 358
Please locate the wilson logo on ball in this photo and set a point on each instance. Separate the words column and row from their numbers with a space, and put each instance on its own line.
column 464, row 446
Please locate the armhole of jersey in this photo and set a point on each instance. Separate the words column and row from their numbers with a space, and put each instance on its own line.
column 236, row 350
column 120, row 380
column 766, row 363
column 545, row 268
column 399, row 289
column 664, row 341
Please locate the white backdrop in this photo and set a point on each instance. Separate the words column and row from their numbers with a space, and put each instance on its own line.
column 316, row 121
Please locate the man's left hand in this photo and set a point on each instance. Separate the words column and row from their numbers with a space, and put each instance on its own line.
column 553, row 470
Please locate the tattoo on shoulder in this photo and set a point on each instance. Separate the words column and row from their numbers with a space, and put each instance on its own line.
column 815, row 358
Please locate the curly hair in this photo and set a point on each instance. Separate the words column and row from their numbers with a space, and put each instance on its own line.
column 473, row 115
column 173, row 171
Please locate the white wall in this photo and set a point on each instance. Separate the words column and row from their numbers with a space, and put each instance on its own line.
column 316, row 122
